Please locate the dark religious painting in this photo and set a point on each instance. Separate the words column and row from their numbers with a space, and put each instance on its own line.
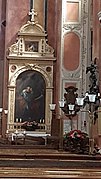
column 31, row 46
column 30, row 97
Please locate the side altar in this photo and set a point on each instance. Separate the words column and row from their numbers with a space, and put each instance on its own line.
column 30, row 80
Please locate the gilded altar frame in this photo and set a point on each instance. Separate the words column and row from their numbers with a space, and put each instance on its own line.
column 30, row 52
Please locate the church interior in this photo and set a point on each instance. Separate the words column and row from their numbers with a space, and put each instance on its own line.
column 50, row 86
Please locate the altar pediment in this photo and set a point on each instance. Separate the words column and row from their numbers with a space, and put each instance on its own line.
column 32, row 29
column 31, row 42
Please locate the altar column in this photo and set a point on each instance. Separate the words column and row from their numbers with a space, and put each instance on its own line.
column 54, row 38
column 96, row 8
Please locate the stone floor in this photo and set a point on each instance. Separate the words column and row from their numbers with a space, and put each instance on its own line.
column 48, row 173
column 41, row 163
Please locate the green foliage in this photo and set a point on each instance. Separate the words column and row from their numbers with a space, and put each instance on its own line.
column 76, row 141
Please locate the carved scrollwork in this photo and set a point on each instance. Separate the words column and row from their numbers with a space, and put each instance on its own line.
column 13, row 48
column 48, row 49
column 31, row 42
column 72, row 27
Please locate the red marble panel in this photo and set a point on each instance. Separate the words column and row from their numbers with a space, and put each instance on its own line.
column 69, row 84
column 2, row 28
column 71, row 51
column 39, row 7
column 52, row 22
column 72, row 12
column 16, row 16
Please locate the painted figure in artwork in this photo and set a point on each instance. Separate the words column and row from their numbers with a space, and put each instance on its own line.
column 30, row 97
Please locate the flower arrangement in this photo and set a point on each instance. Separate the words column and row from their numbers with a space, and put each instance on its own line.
column 76, row 141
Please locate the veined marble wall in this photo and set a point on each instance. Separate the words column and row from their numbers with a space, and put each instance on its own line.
column 75, row 52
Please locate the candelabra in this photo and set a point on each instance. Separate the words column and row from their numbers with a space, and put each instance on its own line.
column 69, row 108
column 72, row 104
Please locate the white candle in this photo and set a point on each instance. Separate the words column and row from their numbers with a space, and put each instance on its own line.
column 16, row 119
column 20, row 120
column 16, row 131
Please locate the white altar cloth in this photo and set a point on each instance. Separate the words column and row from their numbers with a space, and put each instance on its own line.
column 23, row 134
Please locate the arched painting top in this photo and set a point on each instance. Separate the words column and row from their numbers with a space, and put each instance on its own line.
column 12, row 81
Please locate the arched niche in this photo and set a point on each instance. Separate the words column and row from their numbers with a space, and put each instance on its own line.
column 30, row 97
column 40, row 83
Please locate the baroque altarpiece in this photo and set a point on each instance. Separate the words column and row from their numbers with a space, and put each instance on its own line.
column 30, row 84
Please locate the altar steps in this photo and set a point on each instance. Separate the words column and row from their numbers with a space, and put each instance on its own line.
column 39, row 153
column 51, row 155
column 36, row 173
column 47, row 164
column 13, row 169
